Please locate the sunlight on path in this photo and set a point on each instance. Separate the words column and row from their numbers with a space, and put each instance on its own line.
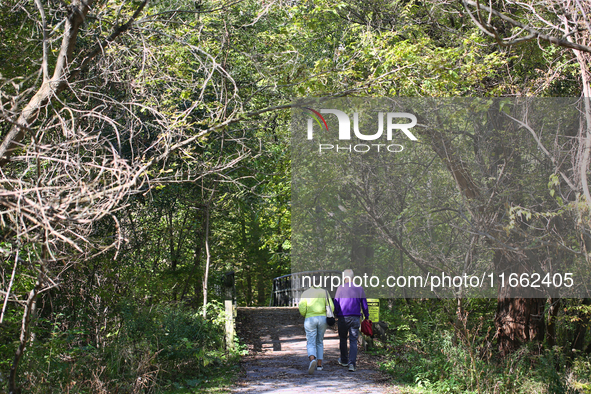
column 280, row 365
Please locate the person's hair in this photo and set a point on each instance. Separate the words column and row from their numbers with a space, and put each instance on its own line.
column 348, row 274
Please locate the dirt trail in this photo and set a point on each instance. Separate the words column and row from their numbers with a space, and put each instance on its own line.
column 277, row 361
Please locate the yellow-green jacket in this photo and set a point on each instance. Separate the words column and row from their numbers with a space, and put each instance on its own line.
column 313, row 302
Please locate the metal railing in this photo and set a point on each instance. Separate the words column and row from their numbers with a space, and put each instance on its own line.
column 287, row 289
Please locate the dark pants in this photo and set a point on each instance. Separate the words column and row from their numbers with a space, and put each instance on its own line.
column 348, row 325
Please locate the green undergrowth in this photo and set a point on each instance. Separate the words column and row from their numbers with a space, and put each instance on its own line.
column 426, row 351
column 159, row 349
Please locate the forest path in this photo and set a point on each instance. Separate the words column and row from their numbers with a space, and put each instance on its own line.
column 277, row 361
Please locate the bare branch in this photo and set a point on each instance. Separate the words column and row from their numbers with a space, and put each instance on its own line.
column 44, row 64
column 51, row 87
column 534, row 34
column 9, row 287
column 543, row 149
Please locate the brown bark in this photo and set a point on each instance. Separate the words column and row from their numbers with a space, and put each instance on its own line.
column 518, row 320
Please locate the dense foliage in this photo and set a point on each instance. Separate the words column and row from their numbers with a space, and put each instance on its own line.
column 428, row 350
column 145, row 157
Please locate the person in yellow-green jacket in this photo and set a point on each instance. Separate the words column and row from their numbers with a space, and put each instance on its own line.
column 313, row 307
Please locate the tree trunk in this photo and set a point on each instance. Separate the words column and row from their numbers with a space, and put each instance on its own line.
column 191, row 277
column 518, row 320
column 248, row 289
column 551, row 325
column 207, row 260
column 261, row 293
column 581, row 327
column 24, row 336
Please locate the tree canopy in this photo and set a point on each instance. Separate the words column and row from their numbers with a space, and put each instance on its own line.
column 145, row 155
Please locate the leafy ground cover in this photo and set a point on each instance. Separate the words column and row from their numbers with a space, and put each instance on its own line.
column 160, row 349
column 428, row 350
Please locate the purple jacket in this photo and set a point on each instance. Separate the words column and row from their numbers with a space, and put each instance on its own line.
column 349, row 300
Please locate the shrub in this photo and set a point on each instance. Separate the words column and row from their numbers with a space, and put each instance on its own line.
column 145, row 349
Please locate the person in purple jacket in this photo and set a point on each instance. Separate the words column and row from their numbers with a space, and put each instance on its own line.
column 348, row 303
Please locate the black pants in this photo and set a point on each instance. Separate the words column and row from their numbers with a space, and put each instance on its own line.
column 348, row 325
